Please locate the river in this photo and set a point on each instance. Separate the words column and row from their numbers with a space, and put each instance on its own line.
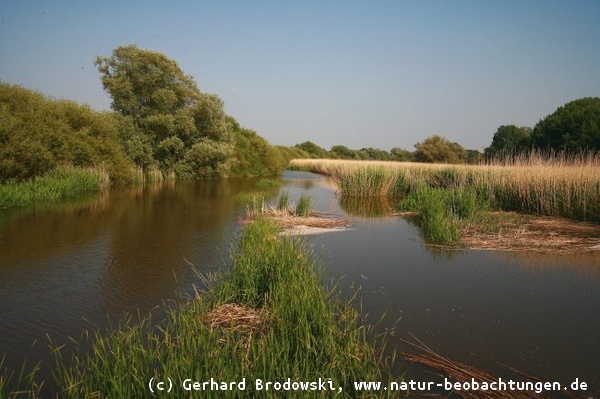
column 72, row 268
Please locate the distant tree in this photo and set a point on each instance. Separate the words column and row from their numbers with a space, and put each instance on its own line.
column 402, row 155
column 474, row 157
column 509, row 138
column 342, row 152
column 167, row 106
column 374, row 154
column 573, row 127
column 438, row 149
column 314, row 150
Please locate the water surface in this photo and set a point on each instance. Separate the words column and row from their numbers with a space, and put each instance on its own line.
column 66, row 269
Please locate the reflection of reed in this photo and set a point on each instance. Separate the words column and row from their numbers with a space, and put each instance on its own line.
column 367, row 207
column 585, row 263
column 35, row 232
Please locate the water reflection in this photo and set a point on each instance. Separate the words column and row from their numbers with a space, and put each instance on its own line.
column 63, row 269
column 374, row 207
column 539, row 313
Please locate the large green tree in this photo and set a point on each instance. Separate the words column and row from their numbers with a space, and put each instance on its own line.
column 509, row 138
column 573, row 127
column 187, row 129
column 439, row 150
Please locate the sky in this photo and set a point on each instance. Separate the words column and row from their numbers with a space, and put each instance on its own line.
column 372, row 73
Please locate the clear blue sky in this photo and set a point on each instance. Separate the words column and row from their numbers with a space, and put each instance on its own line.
column 360, row 73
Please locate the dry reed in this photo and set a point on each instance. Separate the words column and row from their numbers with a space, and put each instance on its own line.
column 558, row 185
column 462, row 373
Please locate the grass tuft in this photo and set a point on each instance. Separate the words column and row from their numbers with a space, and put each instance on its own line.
column 62, row 183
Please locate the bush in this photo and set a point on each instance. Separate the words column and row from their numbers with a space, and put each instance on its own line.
column 37, row 134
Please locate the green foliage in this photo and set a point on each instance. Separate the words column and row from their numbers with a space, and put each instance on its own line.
column 373, row 154
column 509, row 139
column 252, row 155
column 38, row 134
column 401, row 155
column 283, row 202
column 304, row 206
column 474, row 157
column 313, row 150
column 342, row 152
column 56, row 186
column 434, row 214
column 145, row 83
column 437, row 149
column 574, row 127
column 187, row 130
column 438, row 211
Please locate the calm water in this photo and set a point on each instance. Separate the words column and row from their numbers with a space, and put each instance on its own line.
column 68, row 269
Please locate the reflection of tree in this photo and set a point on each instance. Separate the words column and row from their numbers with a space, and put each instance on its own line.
column 151, row 229
column 367, row 207
column 154, row 232
column 33, row 233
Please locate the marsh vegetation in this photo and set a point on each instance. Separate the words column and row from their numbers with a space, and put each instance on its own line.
column 448, row 198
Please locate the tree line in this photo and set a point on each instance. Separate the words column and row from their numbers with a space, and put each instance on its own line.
column 433, row 149
column 161, row 124
column 573, row 128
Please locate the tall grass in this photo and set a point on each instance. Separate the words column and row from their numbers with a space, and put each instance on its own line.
column 303, row 333
column 304, row 206
column 439, row 210
column 536, row 183
column 59, row 184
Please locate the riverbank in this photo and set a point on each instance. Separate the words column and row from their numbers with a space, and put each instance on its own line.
column 60, row 184
column 268, row 318
column 484, row 206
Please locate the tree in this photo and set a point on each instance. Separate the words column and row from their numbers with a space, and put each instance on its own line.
column 314, row 150
column 343, row 152
column 573, row 127
column 143, row 83
column 474, row 157
column 401, row 155
column 509, row 138
column 178, row 120
column 439, row 150
column 374, row 154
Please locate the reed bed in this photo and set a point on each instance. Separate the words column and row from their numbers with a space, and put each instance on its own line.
column 62, row 183
column 558, row 185
column 269, row 317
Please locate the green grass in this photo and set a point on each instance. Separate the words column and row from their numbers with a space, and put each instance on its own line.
column 304, row 206
column 439, row 211
column 283, row 203
column 304, row 333
column 58, row 185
